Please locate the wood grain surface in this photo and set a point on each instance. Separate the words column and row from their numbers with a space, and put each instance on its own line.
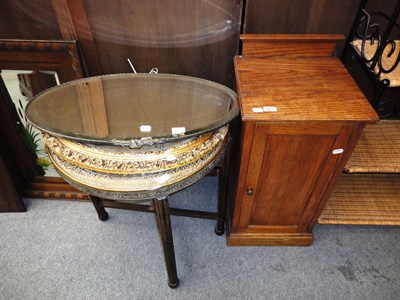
column 302, row 116
column 301, row 89
column 293, row 45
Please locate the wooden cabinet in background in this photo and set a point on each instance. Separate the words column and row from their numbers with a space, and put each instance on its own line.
column 35, row 82
column 302, row 115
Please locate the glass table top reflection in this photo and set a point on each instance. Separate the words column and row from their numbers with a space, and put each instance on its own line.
column 133, row 109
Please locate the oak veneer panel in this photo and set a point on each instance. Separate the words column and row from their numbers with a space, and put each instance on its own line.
column 292, row 174
column 293, row 45
column 291, row 38
column 315, row 128
column 287, row 178
column 302, row 89
column 331, row 173
column 291, row 157
column 270, row 239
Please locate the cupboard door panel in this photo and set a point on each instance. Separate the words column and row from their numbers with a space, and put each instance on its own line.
column 283, row 171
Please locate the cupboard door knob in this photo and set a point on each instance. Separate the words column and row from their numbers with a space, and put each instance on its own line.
column 250, row 191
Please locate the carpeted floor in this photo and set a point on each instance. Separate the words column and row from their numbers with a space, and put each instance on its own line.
column 60, row 250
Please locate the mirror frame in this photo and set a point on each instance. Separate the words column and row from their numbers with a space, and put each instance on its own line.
column 52, row 55
column 61, row 56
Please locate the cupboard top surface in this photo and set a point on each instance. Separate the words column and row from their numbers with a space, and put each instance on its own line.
column 299, row 89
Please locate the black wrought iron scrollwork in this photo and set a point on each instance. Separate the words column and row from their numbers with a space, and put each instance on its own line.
column 374, row 44
column 391, row 52
column 388, row 108
column 370, row 33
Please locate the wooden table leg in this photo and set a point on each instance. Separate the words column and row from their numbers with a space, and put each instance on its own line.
column 222, row 185
column 161, row 207
column 98, row 205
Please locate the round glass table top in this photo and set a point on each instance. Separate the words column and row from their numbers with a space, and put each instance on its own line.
column 133, row 109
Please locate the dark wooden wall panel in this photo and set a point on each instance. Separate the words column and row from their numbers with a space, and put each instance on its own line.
column 24, row 19
column 16, row 158
column 300, row 16
column 386, row 6
column 16, row 168
column 196, row 38
column 10, row 200
column 213, row 62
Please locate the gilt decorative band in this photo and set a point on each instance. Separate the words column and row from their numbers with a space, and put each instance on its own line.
column 119, row 160
column 137, row 185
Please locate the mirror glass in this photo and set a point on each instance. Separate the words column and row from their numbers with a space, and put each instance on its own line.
column 115, row 109
column 22, row 85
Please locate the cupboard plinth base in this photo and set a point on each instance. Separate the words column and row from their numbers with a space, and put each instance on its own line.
column 270, row 239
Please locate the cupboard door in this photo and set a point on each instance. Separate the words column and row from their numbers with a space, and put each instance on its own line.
column 284, row 170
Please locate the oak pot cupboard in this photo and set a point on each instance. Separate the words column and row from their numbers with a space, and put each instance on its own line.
column 302, row 115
